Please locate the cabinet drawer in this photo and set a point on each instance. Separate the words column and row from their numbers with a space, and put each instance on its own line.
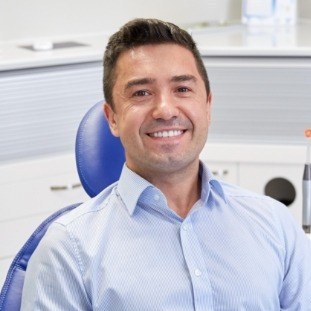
column 38, row 187
column 32, row 197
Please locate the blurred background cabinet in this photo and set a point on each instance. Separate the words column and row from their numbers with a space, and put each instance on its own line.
column 30, row 191
column 41, row 108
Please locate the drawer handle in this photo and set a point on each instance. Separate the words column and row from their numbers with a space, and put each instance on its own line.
column 65, row 187
column 221, row 173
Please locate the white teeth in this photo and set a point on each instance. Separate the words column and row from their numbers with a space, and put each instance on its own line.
column 170, row 133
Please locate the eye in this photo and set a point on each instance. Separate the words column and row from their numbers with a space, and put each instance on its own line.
column 141, row 93
column 183, row 89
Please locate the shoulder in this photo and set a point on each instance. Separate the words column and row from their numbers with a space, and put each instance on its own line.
column 266, row 215
column 83, row 228
column 236, row 193
column 261, row 211
column 89, row 211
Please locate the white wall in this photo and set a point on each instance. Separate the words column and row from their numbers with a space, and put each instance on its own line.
column 20, row 19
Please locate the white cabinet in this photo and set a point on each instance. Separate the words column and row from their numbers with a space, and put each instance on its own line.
column 274, row 170
column 27, row 198
column 264, row 100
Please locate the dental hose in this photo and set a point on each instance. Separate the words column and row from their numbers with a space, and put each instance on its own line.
column 306, row 187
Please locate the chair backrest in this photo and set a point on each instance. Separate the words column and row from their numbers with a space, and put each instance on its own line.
column 99, row 159
column 99, row 154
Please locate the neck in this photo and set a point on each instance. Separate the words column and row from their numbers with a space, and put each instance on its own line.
column 181, row 189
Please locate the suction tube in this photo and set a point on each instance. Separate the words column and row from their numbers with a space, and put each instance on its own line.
column 306, row 189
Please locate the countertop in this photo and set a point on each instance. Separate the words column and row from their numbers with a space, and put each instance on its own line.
column 14, row 55
column 228, row 40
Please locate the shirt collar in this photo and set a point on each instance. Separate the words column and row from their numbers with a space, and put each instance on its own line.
column 131, row 186
column 210, row 183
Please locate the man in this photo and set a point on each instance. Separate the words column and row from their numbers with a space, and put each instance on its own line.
column 168, row 235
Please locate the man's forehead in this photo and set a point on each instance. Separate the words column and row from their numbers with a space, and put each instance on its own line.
column 167, row 56
column 140, row 51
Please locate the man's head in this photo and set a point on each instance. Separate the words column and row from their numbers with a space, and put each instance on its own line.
column 140, row 32
column 157, row 97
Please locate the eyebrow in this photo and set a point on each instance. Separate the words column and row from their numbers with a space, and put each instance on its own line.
column 142, row 81
column 183, row 78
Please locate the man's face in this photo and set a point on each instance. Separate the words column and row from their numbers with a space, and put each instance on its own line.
column 161, row 109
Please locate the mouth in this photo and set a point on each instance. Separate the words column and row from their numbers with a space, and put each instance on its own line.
column 166, row 134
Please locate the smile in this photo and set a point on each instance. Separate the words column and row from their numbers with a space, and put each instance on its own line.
column 171, row 133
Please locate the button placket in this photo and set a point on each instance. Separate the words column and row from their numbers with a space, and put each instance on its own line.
column 192, row 251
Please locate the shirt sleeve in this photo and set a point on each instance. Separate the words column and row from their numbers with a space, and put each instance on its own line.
column 53, row 278
column 296, row 288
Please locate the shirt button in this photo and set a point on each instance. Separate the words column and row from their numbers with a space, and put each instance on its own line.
column 185, row 227
column 156, row 197
column 197, row 272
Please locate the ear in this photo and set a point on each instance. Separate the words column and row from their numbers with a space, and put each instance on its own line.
column 112, row 119
column 209, row 104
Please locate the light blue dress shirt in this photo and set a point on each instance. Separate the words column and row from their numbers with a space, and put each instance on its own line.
column 127, row 250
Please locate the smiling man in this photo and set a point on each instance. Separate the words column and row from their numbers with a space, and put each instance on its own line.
column 161, row 111
column 168, row 235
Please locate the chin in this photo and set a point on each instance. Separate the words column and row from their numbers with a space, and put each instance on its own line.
column 172, row 164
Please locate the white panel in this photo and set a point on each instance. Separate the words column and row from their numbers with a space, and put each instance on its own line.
column 41, row 108
column 260, row 104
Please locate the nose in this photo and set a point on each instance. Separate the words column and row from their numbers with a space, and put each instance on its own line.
column 165, row 108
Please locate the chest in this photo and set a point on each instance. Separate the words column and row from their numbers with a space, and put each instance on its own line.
column 181, row 268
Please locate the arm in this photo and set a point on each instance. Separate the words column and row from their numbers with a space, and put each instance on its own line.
column 296, row 289
column 53, row 280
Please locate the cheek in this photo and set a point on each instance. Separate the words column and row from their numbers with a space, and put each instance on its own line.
column 199, row 112
column 205, row 111
column 130, row 123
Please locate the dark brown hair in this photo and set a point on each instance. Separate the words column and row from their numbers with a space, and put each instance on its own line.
column 140, row 32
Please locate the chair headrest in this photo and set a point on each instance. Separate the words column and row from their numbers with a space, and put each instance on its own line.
column 99, row 154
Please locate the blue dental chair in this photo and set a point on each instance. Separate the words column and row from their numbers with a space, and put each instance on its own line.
column 99, row 160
